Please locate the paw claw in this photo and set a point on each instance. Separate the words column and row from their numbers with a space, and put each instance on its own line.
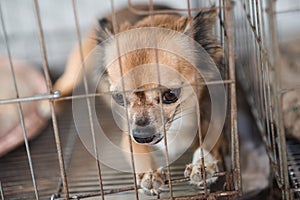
column 193, row 171
column 188, row 170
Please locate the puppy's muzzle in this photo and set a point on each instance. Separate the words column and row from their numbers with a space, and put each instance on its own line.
column 146, row 135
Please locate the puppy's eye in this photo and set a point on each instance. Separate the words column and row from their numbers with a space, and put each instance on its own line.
column 171, row 96
column 118, row 97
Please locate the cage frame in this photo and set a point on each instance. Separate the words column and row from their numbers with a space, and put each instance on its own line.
column 265, row 93
column 234, row 189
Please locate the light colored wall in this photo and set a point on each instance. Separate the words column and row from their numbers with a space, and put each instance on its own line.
column 288, row 22
column 58, row 24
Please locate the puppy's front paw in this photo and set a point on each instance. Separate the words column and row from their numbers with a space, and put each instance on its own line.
column 193, row 171
column 150, row 182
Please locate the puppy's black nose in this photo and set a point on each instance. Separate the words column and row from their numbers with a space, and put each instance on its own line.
column 142, row 121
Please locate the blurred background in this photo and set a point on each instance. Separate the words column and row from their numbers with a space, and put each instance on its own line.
column 60, row 36
column 58, row 25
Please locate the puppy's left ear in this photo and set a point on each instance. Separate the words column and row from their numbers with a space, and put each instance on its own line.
column 202, row 32
column 104, row 29
column 203, row 24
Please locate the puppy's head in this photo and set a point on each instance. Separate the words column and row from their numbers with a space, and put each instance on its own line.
column 152, row 99
column 146, row 116
column 149, row 82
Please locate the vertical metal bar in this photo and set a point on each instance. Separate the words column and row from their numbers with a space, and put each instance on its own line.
column 269, row 98
column 233, row 107
column 260, row 64
column 154, row 37
column 267, row 85
column 278, row 100
column 260, row 25
column 270, row 134
column 255, row 58
column 250, row 38
column 199, row 132
column 1, row 188
column 265, row 81
column 221, row 22
column 21, row 116
column 115, row 29
column 247, row 63
column 257, row 63
column 270, row 111
column 253, row 16
column 258, row 19
column 49, row 87
column 74, row 5
column 227, row 126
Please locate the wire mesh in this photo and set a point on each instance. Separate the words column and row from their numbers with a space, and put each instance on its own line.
column 19, row 107
column 49, row 87
column 77, row 175
column 262, row 75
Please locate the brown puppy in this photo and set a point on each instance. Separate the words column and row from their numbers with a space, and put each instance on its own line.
column 152, row 112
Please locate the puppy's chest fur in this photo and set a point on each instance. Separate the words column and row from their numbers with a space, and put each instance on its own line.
column 182, row 134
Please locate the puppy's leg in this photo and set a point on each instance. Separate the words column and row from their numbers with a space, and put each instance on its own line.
column 68, row 80
column 150, row 178
column 212, row 156
column 211, row 161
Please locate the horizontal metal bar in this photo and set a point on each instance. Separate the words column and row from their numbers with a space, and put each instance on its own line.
column 131, row 188
column 295, row 189
column 287, row 11
column 286, row 90
column 38, row 97
column 165, row 11
column 57, row 95
column 215, row 195
column 98, row 94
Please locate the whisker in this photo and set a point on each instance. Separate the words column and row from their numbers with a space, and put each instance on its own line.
column 176, row 117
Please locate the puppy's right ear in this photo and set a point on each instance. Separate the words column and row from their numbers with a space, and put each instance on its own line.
column 104, row 30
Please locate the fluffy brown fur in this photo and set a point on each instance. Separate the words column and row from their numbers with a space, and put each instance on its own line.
column 144, row 105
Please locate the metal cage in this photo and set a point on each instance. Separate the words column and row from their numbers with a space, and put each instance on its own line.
column 261, row 44
column 56, row 165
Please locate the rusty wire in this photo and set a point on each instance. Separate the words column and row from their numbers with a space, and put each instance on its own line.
column 49, row 88
column 165, row 11
column 278, row 100
column 233, row 107
column 57, row 96
column 1, row 191
column 154, row 36
column 20, row 111
column 226, row 34
column 199, row 131
column 95, row 148
column 132, row 188
column 259, row 27
column 115, row 29
column 262, row 71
